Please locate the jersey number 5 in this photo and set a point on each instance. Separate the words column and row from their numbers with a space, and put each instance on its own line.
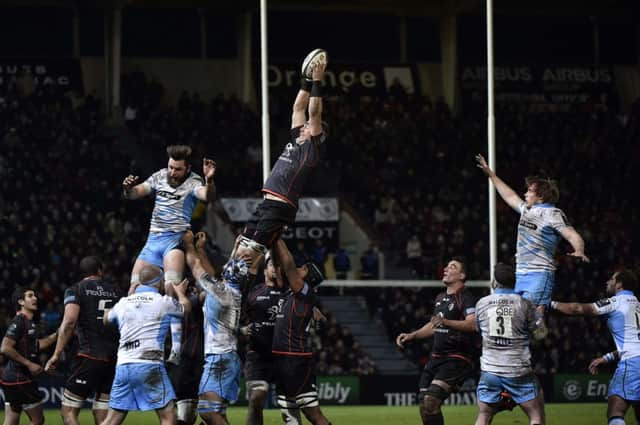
column 102, row 306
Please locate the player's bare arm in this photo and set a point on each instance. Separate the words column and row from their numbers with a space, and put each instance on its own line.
column 576, row 241
column 315, row 101
column 300, row 104
column 424, row 332
column 8, row 349
column 191, row 255
column 466, row 325
column 65, row 333
column 181, row 293
column 575, row 309
column 506, row 193
column 613, row 356
column 47, row 341
column 283, row 256
column 131, row 190
column 207, row 193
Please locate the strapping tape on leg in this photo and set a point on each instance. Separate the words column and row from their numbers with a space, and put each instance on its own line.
column 187, row 410
column 257, row 386
column 99, row 404
column 291, row 416
column 286, row 403
column 69, row 400
column 309, row 399
column 208, row 406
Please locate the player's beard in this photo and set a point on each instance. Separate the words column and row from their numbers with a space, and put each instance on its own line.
column 174, row 181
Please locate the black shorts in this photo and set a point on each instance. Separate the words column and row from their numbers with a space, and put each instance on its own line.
column 452, row 370
column 294, row 375
column 90, row 376
column 185, row 378
column 259, row 367
column 268, row 221
column 21, row 395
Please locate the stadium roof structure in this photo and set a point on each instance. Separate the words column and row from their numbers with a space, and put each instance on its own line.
column 402, row 7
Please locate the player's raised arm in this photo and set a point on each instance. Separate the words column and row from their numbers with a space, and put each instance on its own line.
column 508, row 195
column 207, row 193
column 315, row 101
column 576, row 241
column 300, row 104
column 576, row 309
column 131, row 190
column 283, row 257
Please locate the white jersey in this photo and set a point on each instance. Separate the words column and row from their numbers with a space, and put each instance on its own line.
column 221, row 315
column 505, row 321
column 143, row 319
column 538, row 236
column 174, row 205
column 623, row 319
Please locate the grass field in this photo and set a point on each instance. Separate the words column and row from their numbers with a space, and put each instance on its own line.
column 557, row 414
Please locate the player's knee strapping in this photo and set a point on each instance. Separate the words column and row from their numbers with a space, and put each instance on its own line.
column 252, row 244
column 257, row 386
column 435, row 391
column 187, row 410
column 100, row 404
column 70, row 400
column 209, row 406
column 309, row 399
column 616, row 420
column 135, row 279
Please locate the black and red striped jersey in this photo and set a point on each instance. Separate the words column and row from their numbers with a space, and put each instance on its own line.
column 23, row 331
column 291, row 331
column 292, row 168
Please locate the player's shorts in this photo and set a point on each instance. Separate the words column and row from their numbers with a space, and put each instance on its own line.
column 268, row 221
column 452, row 370
column 521, row 388
column 186, row 378
column 158, row 245
column 535, row 286
column 221, row 375
column 141, row 386
column 258, row 367
column 626, row 380
column 22, row 396
column 89, row 376
column 294, row 375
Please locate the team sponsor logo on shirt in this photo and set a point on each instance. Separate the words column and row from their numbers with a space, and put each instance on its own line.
column 603, row 302
column 528, row 225
column 169, row 195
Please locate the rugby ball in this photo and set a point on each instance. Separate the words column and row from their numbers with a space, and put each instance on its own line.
column 313, row 58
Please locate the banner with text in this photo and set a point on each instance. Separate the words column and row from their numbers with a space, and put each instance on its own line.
column 352, row 79
column 552, row 87
column 578, row 388
column 62, row 72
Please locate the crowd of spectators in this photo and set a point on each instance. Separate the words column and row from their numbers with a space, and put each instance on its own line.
column 403, row 162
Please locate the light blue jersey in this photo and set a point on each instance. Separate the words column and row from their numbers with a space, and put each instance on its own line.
column 174, row 205
column 623, row 319
column 538, row 236
column 221, row 315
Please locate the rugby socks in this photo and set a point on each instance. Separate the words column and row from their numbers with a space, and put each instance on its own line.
column 436, row 419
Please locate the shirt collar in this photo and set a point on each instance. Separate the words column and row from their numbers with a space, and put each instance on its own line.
column 145, row 288
column 504, row 291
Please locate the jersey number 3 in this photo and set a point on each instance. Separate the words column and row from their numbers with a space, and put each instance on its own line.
column 500, row 325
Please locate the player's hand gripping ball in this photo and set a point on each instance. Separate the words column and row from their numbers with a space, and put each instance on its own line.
column 315, row 57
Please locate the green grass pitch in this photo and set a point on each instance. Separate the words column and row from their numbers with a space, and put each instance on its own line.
column 557, row 414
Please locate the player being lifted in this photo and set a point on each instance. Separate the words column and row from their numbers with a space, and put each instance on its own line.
column 177, row 190
column 539, row 230
column 284, row 185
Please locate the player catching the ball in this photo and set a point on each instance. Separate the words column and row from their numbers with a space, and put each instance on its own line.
column 284, row 185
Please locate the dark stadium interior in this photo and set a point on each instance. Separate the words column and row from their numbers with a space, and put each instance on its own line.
column 400, row 161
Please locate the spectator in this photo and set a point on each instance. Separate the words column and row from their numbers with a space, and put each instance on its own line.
column 341, row 264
